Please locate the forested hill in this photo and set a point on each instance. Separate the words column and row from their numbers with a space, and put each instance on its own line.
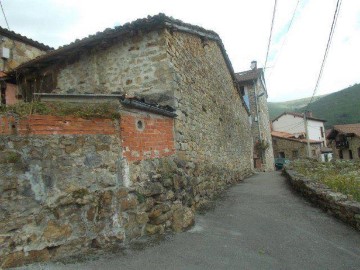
column 342, row 107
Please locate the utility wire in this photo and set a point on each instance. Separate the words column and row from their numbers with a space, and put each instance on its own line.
column 271, row 30
column 2, row 8
column 286, row 35
column 333, row 25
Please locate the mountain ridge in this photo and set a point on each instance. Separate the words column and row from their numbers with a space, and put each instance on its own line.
column 341, row 107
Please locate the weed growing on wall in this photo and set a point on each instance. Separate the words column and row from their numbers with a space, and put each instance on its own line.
column 340, row 175
column 81, row 110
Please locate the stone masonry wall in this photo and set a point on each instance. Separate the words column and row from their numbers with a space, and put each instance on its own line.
column 67, row 188
column 136, row 65
column 335, row 203
column 19, row 53
column 354, row 146
column 288, row 146
column 264, row 123
column 212, row 126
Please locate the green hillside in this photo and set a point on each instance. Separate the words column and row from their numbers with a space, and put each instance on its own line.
column 341, row 107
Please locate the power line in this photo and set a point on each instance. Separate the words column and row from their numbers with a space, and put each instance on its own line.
column 336, row 14
column 271, row 30
column 2, row 8
column 286, row 35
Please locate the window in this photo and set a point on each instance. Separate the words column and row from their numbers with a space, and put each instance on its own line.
column 313, row 153
column 350, row 154
column 242, row 90
column 281, row 155
column 322, row 132
column 341, row 156
column 295, row 154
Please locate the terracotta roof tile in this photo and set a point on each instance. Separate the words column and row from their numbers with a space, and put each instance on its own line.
column 349, row 130
column 290, row 137
column 248, row 75
column 301, row 115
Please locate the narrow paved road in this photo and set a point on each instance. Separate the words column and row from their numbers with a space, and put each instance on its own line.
column 260, row 224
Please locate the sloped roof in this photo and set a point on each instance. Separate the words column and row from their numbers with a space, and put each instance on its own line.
column 249, row 75
column 291, row 137
column 24, row 39
column 348, row 130
column 301, row 115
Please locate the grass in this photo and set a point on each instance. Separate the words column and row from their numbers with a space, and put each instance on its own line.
column 81, row 110
column 339, row 175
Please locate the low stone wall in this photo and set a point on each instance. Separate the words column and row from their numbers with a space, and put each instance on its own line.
column 335, row 203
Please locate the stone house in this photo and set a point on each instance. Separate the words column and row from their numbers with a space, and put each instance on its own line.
column 345, row 141
column 182, row 135
column 293, row 123
column 15, row 49
column 292, row 147
column 253, row 89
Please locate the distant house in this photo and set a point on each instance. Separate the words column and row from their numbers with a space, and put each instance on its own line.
column 254, row 92
column 345, row 141
column 292, row 146
column 15, row 49
column 293, row 123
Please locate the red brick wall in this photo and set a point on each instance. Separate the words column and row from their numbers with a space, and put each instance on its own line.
column 51, row 125
column 155, row 139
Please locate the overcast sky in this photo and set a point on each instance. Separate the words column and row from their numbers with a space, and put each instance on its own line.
column 244, row 26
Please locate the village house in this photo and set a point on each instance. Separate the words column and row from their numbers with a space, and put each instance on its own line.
column 293, row 123
column 345, row 141
column 254, row 92
column 179, row 135
column 292, row 146
column 15, row 49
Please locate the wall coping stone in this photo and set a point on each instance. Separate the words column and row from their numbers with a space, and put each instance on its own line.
column 336, row 203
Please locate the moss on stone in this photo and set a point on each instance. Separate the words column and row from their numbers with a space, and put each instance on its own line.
column 10, row 157
column 81, row 110
column 80, row 193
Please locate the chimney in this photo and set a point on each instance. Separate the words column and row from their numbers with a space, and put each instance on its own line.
column 253, row 65
column 309, row 114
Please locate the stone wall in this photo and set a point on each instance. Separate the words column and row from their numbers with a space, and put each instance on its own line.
column 354, row 146
column 262, row 124
column 289, row 146
column 212, row 126
column 67, row 188
column 136, row 65
column 338, row 204
column 19, row 53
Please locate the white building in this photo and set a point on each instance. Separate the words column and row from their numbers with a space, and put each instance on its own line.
column 293, row 123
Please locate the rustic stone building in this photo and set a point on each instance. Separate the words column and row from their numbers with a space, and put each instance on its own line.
column 292, row 147
column 293, row 123
column 345, row 141
column 253, row 89
column 15, row 49
column 181, row 141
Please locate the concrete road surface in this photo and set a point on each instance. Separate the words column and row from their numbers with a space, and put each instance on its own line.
column 259, row 224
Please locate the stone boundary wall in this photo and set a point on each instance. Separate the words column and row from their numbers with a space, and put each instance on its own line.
column 335, row 203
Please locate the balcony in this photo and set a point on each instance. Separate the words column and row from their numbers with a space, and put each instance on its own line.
column 342, row 144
